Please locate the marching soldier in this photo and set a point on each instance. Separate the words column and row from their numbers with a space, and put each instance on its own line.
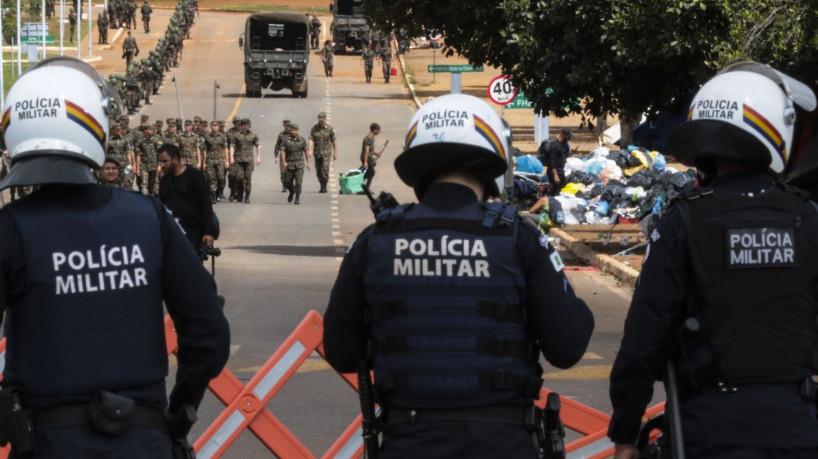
column 242, row 148
column 322, row 145
column 294, row 157
column 368, row 56
column 189, row 147
column 386, row 61
column 217, row 159
column 102, row 27
column 146, row 16
column 147, row 158
column 328, row 58
column 121, row 151
column 129, row 49
column 171, row 133
column 282, row 137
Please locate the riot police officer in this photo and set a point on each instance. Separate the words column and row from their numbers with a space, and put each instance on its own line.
column 455, row 297
column 84, row 271
column 735, row 261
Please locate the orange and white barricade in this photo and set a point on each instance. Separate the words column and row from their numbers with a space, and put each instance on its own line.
column 246, row 406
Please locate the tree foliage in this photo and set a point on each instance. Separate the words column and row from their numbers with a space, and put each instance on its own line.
column 625, row 57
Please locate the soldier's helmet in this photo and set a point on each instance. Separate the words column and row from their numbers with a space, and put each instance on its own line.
column 746, row 113
column 451, row 132
column 55, row 123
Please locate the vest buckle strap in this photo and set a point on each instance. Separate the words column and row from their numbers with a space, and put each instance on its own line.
column 509, row 214
column 490, row 218
column 501, row 312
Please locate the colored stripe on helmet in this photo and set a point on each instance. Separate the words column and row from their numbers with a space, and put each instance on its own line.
column 6, row 119
column 410, row 136
column 690, row 113
column 483, row 129
column 766, row 129
column 84, row 119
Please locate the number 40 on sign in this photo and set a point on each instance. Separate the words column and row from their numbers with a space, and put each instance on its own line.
column 501, row 90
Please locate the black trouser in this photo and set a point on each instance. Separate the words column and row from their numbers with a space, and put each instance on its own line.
column 83, row 442
column 458, row 439
column 736, row 452
column 556, row 187
column 369, row 175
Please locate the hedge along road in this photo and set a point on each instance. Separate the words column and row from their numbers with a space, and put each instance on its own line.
column 279, row 260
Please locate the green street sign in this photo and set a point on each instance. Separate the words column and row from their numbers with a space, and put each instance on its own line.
column 36, row 39
column 454, row 68
column 520, row 102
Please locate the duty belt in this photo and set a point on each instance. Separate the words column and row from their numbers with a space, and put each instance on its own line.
column 806, row 388
column 79, row 415
column 518, row 415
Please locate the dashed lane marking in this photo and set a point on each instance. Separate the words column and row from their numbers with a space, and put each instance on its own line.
column 585, row 373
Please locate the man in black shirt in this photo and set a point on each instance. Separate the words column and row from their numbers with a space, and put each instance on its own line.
column 184, row 191
column 553, row 154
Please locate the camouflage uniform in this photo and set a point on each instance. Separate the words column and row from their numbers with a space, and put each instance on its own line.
column 369, row 56
column 118, row 148
column 282, row 137
column 215, row 146
column 322, row 139
column 148, row 161
column 244, row 142
column 234, row 171
column 146, row 16
column 189, row 149
column 386, row 61
column 129, row 175
column 295, row 151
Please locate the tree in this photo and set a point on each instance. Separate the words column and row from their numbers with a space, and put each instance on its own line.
column 625, row 57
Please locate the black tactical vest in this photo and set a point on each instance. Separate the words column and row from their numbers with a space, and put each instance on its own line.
column 755, row 264
column 447, row 309
column 90, row 316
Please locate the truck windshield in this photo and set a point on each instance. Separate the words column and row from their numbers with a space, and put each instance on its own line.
column 350, row 7
column 264, row 35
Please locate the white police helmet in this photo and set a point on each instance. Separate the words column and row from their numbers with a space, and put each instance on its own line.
column 745, row 113
column 455, row 131
column 55, row 123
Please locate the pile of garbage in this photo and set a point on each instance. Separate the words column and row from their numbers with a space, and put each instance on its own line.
column 619, row 186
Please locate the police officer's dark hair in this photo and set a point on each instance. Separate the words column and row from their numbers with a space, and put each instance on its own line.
column 374, row 127
column 171, row 149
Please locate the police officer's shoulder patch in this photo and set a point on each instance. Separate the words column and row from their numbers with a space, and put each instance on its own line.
column 556, row 261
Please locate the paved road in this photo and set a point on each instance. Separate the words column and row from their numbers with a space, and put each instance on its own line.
column 279, row 261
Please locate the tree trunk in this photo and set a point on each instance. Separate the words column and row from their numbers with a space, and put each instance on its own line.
column 601, row 124
column 627, row 122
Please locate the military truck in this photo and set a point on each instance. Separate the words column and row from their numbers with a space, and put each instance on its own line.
column 349, row 28
column 276, row 52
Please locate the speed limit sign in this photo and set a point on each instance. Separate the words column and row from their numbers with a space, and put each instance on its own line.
column 501, row 90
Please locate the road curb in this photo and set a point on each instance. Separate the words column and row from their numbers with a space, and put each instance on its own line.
column 409, row 85
column 604, row 262
column 116, row 37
